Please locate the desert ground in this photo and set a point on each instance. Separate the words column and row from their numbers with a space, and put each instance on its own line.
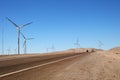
column 97, row 65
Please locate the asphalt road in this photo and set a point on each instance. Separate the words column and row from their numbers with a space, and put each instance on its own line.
column 44, row 69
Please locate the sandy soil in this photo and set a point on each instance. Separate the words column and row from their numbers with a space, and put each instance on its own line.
column 96, row 66
column 100, row 65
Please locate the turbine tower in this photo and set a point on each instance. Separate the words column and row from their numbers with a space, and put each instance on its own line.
column 8, row 51
column 77, row 43
column 2, row 37
column 3, row 40
column 100, row 44
column 47, row 49
column 53, row 47
column 25, row 43
column 77, row 46
column 19, row 30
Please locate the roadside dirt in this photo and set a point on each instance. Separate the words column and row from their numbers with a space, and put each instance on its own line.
column 99, row 65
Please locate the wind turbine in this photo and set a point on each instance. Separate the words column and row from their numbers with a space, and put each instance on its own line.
column 25, row 43
column 8, row 50
column 53, row 47
column 2, row 37
column 15, row 50
column 47, row 49
column 100, row 44
column 77, row 43
column 19, row 30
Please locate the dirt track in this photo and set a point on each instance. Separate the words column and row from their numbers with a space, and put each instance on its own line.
column 94, row 66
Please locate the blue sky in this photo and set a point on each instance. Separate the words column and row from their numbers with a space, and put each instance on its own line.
column 61, row 22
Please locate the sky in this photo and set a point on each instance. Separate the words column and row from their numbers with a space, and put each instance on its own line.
column 60, row 23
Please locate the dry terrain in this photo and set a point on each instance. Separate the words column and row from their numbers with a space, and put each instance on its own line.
column 99, row 65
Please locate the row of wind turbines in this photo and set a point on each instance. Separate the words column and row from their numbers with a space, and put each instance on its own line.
column 51, row 48
column 26, row 39
column 20, row 33
column 100, row 44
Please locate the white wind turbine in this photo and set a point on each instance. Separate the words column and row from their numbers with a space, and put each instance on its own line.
column 53, row 47
column 77, row 43
column 100, row 44
column 25, row 43
column 19, row 30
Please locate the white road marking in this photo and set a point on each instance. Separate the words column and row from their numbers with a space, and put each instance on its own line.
column 7, row 74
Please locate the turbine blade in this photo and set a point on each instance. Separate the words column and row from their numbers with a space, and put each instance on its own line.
column 100, row 43
column 23, row 35
column 26, row 24
column 12, row 22
column 30, row 38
